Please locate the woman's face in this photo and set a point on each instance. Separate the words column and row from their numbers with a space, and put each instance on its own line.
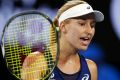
column 79, row 31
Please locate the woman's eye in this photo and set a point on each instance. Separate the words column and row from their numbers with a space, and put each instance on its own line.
column 82, row 24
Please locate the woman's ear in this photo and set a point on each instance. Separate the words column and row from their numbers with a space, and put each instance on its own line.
column 62, row 27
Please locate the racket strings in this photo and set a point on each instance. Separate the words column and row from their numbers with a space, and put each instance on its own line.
column 26, row 35
column 14, row 61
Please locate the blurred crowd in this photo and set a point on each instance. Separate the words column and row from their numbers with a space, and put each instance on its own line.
column 8, row 8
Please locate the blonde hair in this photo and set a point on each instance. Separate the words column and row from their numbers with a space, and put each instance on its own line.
column 66, row 6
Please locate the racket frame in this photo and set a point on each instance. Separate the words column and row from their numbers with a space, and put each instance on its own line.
column 25, row 13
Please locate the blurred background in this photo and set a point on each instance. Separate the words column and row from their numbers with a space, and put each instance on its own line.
column 105, row 46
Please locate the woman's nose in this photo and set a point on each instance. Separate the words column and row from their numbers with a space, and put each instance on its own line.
column 89, row 29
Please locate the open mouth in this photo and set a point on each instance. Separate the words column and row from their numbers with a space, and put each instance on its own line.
column 85, row 40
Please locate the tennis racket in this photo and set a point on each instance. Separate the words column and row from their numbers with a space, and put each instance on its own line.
column 30, row 44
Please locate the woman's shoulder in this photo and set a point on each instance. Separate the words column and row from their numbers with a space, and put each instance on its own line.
column 93, row 68
column 91, row 63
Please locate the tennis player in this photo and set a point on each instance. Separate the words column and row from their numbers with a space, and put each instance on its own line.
column 75, row 21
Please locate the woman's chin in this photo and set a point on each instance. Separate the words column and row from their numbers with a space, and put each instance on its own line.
column 83, row 48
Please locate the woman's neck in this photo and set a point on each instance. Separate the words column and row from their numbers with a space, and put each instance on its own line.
column 68, row 57
column 66, row 49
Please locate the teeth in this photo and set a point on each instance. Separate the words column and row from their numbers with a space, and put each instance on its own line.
column 85, row 38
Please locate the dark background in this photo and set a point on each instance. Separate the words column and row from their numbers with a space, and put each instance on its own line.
column 105, row 36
